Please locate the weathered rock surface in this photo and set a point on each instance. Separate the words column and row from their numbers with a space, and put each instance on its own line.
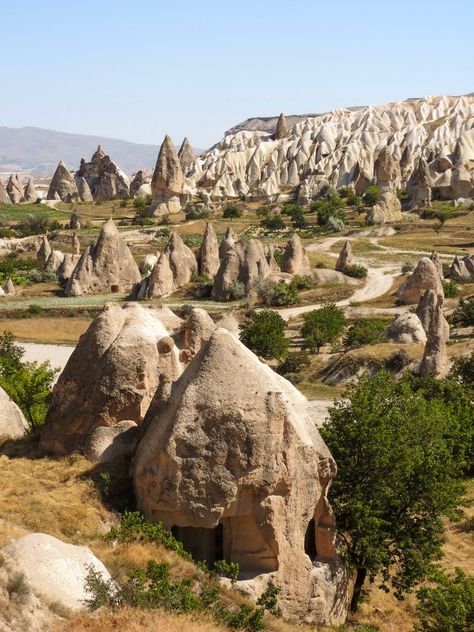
column 235, row 466
column 407, row 329
column 137, row 182
column 198, row 329
column 43, row 253
column 107, row 266
column 55, row 260
column 107, row 443
column 462, row 270
column 14, row 189
column 63, row 186
column 186, row 155
column 388, row 207
column 425, row 311
column 4, row 197
column 435, row 357
column 208, row 258
column 67, row 267
column 111, row 376
column 8, row 287
column 84, row 190
column 12, row 421
column 105, row 179
column 419, row 185
column 167, row 182
column 75, row 245
column 230, row 238
column 281, row 130
column 30, row 193
column 346, row 258
column 182, row 261
column 294, row 259
column 424, row 277
column 55, row 570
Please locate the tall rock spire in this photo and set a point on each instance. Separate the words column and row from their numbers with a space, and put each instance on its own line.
column 281, row 130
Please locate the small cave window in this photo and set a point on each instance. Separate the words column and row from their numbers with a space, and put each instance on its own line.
column 310, row 540
column 205, row 545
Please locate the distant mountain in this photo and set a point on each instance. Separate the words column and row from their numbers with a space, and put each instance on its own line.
column 37, row 150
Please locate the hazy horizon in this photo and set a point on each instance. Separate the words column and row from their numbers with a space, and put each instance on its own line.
column 135, row 74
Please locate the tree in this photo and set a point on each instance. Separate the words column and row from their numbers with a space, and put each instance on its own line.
column 322, row 326
column 264, row 334
column 231, row 212
column 10, row 355
column 463, row 315
column 371, row 195
column 463, row 371
column 401, row 451
column 448, row 606
column 365, row 331
column 272, row 222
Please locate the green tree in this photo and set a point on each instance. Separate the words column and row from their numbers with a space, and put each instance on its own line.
column 264, row 334
column 322, row 326
column 10, row 355
column 231, row 212
column 401, row 452
column 371, row 195
column 463, row 315
column 273, row 222
column 365, row 331
column 448, row 606
column 463, row 371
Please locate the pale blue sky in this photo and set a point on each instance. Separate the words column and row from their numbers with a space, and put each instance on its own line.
column 138, row 70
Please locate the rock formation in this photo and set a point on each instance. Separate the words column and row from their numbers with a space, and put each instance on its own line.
column 147, row 264
column 186, row 155
column 244, row 263
column 435, row 258
column 53, row 569
column 8, row 287
column 462, row 270
column 55, row 259
column 63, row 186
column 137, row 182
column 4, row 197
column 425, row 312
column 43, row 253
column 75, row 244
column 12, row 421
column 107, row 443
column 388, row 207
column 83, row 189
column 182, row 261
column 75, row 221
column 419, row 185
column 236, row 468
column 167, row 182
column 111, row 376
column 208, row 258
column 435, row 358
column 66, row 267
column 407, row 329
column 346, row 258
column 30, row 194
column 198, row 329
column 424, row 277
column 160, row 281
column 294, row 259
column 104, row 177
column 228, row 242
column 281, row 130
column 14, row 189
column 107, row 266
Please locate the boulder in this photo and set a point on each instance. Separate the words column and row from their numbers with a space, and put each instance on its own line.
column 167, row 181
column 424, row 277
column 407, row 329
column 208, row 257
column 14, row 189
column 111, row 376
column 13, row 424
column 435, row 358
column 228, row 242
column 55, row 570
column 107, row 443
column 63, row 186
column 236, row 468
column 186, row 155
column 107, row 266
column 346, row 258
column 230, row 323
column 281, row 130
column 4, row 197
column 43, row 253
column 30, row 194
column 198, row 329
column 294, row 259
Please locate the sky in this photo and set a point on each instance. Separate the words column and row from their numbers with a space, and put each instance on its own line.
column 139, row 70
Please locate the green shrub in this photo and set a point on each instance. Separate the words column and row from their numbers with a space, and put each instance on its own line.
column 237, row 291
column 302, row 282
column 463, row 371
column 272, row 222
column 451, row 290
column 227, row 569
column 293, row 363
column 232, row 212
column 367, row 331
column 263, row 211
column 371, row 195
column 193, row 213
column 463, row 315
column 448, row 606
column 322, row 326
column 356, row 271
column 345, row 192
column 264, row 334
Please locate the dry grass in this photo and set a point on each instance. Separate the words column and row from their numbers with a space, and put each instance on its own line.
column 46, row 330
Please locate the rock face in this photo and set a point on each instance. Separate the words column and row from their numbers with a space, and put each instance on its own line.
column 228, row 242
column 63, row 186
column 12, row 421
column 186, row 155
column 105, row 179
column 244, row 263
column 208, row 258
column 8, row 287
column 435, row 358
column 111, row 376
column 462, row 270
column 30, row 194
column 75, row 245
column 107, row 443
column 107, row 266
column 54, row 569
column 435, row 258
column 67, row 267
column 14, row 189
column 83, row 189
column 137, row 182
column 424, row 277
column 43, row 253
column 55, row 260
column 419, row 185
column 281, row 130
column 425, row 312
column 182, row 261
column 167, row 182
column 294, row 259
column 4, row 197
column 237, row 469
column 346, row 258
column 198, row 329
column 388, row 208
column 407, row 329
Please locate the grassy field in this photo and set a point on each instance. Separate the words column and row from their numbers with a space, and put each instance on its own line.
column 46, row 330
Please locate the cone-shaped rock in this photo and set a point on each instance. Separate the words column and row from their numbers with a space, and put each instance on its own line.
column 228, row 242
column 75, row 244
column 424, row 277
column 30, row 194
column 419, row 185
column 63, row 186
column 136, row 183
column 234, row 458
column 294, row 259
column 107, row 266
column 426, row 312
column 159, row 282
column 346, row 258
column 281, row 130
column 167, row 181
column 14, row 189
column 186, row 155
column 84, row 190
column 183, row 263
column 43, row 253
column 4, row 197
column 209, row 253
column 9, row 288
column 198, row 329
column 55, row 259
column 12, row 421
column 67, row 266
column 388, row 207
column 111, row 376
column 435, row 358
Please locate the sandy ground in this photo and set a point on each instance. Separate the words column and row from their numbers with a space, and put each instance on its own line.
column 57, row 355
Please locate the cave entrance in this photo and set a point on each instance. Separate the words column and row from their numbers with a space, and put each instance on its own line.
column 310, row 540
column 205, row 545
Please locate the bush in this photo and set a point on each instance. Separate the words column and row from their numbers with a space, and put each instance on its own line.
column 463, row 315
column 193, row 213
column 356, row 271
column 322, row 326
column 237, row 291
column 369, row 331
column 284, row 294
column 302, row 282
column 354, row 200
column 327, row 209
column 298, row 219
column 262, row 211
column 371, row 195
column 140, row 204
column 448, row 606
column 293, row 363
column 232, row 212
column 345, row 192
column 264, row 334
column 463, row 371
column 397, row 361
column 273, row 222
column 38, row 224
column 451, row 290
